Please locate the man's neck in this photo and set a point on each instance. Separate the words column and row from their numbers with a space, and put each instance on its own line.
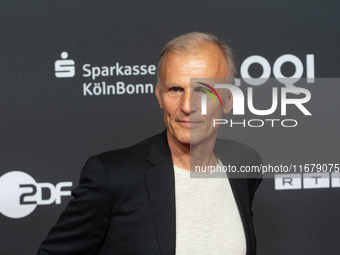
column 188, row 156
column 180, row 153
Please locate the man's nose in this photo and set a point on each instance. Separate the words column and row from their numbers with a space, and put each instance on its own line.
column 186, row 103
column 190, row 103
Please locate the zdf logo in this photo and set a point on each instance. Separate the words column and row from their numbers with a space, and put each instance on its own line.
column 20, row 194
column 64, row 68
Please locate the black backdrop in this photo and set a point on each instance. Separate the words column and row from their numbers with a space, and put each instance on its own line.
column 49, row 127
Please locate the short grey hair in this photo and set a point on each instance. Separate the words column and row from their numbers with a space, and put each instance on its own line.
column 193, row 41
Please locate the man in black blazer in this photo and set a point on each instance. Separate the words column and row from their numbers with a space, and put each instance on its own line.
column 127, row 200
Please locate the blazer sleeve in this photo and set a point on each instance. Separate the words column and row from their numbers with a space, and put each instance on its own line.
column 82, row 227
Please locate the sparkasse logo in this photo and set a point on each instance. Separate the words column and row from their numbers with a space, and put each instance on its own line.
column 108, row 79
column 64, row 68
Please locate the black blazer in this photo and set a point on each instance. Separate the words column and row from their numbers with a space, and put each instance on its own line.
column 125, row 202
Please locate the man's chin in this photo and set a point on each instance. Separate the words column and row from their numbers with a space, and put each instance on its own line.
column 181, row 137
column 201, row 137
column 184, row 139
column 195, row 141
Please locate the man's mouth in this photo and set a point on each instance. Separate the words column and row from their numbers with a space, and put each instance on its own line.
column 188, row 123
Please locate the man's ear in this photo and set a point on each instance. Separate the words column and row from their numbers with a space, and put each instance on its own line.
column 158, row 95
column 228, row 105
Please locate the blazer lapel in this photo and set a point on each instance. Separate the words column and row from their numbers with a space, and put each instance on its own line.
column 240, row 190
column 241, row 195
column 160, row 183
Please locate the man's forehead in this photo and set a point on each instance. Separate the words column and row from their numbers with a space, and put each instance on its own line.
column 208, row 48
column 208, row 60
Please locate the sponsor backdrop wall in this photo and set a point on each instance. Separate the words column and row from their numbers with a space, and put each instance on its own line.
column 77, row 78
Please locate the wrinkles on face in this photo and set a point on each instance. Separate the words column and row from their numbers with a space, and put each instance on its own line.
column 182, row 110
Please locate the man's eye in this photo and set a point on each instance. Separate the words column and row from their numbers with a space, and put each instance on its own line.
column 176, row 90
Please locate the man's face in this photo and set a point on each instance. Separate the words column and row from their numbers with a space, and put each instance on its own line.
column 182, row 103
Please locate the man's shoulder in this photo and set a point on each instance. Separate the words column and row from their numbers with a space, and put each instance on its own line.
column 240, row 155
column 138, row 150
column 237, row 152
column 136, row 153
